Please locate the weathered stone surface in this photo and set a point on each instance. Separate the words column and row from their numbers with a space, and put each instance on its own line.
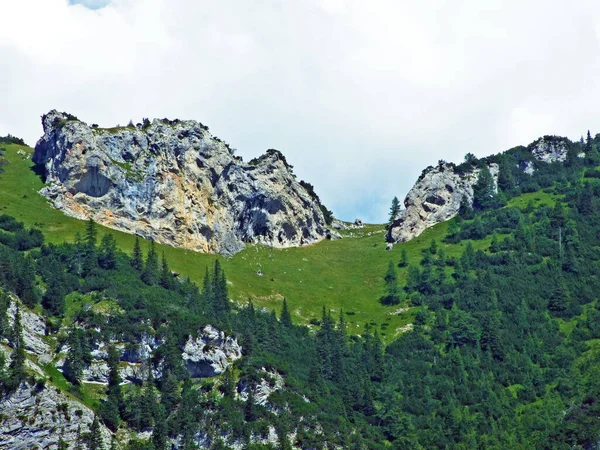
column 435, row 198
column 38, row 417
column 34, row 328
column 175, row 183
column 210, row 353
column 549, row 149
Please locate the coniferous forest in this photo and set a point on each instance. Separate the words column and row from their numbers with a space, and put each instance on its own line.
column 504, row 352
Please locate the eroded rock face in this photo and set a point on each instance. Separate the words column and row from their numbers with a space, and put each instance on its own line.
column 550, row 149
column 175, row 183
column 37, row 417
column 210, row 353
column 435, row 198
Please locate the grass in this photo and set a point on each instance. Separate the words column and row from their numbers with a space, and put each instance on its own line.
column 87, row 394
column 345, row 274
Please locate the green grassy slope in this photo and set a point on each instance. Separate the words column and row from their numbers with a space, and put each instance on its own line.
column 342, row 274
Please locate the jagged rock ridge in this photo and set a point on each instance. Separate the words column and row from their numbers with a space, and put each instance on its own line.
column 437, row 194
column 173, row 182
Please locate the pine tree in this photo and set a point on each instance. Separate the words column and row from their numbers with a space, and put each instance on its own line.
column 169, row 392
column 113, row 406
column 484, row 192
column 465, row 209
column 107, row 256
column 392, row 291
column 159, row 434
column 505, row 175
column 403, row 259
column 17, row 363
column 249, row 407
column 150, row 275
column 137, row 258
column 90, row 239
column 166, row 279
column 394, row 209
column 285, row 318
column 95, row 436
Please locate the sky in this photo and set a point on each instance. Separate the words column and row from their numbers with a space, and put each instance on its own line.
column 360, row 95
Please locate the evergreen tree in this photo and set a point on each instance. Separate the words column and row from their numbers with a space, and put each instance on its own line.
column 137, row 258
column 220, row 296
column 113, row 406
column 166, row 279
column 169, row 390
column 285, row 318
column 249, row 407
column 394, row 210
column 150, row 275
column 159, row 434
column 484, row 191
column 107, row 257
column 392, row 291
column 465, row 210
column 403, row 259
column 90, row 239
column 95, row 436
column 505, row 175
column 17, row 363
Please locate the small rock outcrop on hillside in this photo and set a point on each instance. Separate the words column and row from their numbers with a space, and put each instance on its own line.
column 550, row 149
column 210, row 353
column 173, row 182
column 435, row 198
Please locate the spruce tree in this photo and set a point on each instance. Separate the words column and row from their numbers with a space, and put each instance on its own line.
column 166, row 279
column 150, row 275
column 17, row 363
column 95, row 436
column 159, row 434
column 285, row 318
column 484, row 191
column 107, row 255
column 137, row 258
column 394, row 210
column 392, row 291
column 113, row 406
column 403, row 259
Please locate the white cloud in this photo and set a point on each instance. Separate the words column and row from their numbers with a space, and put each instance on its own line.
column 360, row 95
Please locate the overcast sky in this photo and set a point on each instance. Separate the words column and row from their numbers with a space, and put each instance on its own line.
column 360, row 95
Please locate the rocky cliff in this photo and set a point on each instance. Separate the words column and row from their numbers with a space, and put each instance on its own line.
column 435, row 198
column 173, row 182
column 437, row 194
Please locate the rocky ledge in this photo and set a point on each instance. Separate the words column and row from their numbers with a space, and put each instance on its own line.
column 172, row 181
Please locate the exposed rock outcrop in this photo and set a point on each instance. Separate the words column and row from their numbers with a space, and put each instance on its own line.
column 39, row 416
column 210, row 353
column 175, row 183
column 435, row 198
column 550, row 149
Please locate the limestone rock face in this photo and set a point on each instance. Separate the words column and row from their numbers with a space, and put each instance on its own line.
column 175, row 183
column 37, row 417
column 210, row 353
column 550, row 149
column 435, row 198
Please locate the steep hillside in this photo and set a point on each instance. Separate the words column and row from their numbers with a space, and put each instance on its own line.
column 173, row 182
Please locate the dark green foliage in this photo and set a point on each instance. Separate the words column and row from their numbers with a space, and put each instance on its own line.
column 394, row 209
column 150, row 274
column 8, row 139
column 107, row 254
column 327, row 214
column 392, row 291
column 79, row 355
column 137, row 258
column 94, row 441
column 285, row 318
column 484, row 194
